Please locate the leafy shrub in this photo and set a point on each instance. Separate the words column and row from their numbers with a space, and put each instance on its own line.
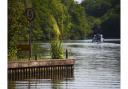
column 57, row 51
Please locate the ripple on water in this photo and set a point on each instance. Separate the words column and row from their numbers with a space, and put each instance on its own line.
column 97, row 67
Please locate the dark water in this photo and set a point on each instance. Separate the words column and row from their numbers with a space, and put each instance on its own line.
column 97, row 67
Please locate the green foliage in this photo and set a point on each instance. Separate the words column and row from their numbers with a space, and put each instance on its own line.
column 55, row 29
column 61, row 20
column 12, row 53
column 16, row 22
column 102, row 12
column 56, row 44
column 57, row 51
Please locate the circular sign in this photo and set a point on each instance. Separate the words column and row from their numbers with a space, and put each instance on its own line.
column 30, row 14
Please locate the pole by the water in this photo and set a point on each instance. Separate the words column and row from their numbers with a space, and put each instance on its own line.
column 30, row 17
column 30, row 41
column 66, row 54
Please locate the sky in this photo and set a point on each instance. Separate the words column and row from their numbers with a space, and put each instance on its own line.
column 79, row 1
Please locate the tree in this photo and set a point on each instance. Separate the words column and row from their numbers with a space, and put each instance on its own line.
column 16, row 25
column 105, row 13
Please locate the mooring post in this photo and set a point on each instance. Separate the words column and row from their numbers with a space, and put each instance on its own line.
column 66, row 54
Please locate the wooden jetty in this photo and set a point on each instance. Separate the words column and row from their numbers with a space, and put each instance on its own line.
column 41, row 69
column 40, row 63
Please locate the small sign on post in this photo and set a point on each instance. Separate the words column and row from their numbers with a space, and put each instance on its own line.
column 29, row 12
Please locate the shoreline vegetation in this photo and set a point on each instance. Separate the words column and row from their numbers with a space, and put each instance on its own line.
column 58, row 20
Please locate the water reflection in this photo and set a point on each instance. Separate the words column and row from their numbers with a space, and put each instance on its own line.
column 48, row 78
column 97, row 67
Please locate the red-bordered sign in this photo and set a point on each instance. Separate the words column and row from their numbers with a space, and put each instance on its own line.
column 30, row 14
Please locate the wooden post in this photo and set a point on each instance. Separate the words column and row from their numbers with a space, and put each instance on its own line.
column 30, row 43
column 66, row 54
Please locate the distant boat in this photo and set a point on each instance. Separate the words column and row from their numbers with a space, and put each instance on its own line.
column 98, row 38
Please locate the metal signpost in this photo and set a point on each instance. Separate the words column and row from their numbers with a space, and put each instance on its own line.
column 30, row 16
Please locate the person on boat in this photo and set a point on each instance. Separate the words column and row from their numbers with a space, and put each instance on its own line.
column 96, row 33
column 94, row 38
column 101, row 38
column 97, row 38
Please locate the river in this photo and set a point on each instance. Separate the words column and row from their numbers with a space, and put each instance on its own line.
column 97, row 66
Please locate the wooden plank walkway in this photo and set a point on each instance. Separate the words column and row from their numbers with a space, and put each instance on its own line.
column 50, row 68
column 40, row 63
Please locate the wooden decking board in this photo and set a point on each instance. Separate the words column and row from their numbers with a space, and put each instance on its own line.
column 40, row 63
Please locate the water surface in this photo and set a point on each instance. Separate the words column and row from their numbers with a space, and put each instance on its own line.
column 97, row 67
